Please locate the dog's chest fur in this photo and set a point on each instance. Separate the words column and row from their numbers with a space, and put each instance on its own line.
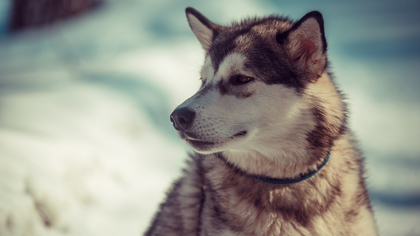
column 213, row 198
column 233, row 203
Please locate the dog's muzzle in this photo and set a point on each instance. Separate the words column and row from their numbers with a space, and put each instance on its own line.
column 182, row 118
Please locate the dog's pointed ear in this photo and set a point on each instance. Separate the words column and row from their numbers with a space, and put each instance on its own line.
column 203, row 29
column 306, row 43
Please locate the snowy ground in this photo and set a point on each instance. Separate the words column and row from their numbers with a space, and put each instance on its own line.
column 86, row 146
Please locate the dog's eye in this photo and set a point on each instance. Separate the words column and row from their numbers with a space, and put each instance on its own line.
column 240, row 79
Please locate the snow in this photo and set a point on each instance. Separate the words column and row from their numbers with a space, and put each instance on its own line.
column 86, row 146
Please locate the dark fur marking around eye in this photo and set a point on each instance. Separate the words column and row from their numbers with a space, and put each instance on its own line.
column 228, row 89
column 222, row 87
column 240, row 79
column 271, row 64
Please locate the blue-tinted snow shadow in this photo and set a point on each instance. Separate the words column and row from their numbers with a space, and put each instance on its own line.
column 148, row 97
column 404, row 48
column 393, row 197
column 396, row 200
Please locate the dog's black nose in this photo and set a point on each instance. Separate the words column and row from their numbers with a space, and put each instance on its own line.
column 182, row 118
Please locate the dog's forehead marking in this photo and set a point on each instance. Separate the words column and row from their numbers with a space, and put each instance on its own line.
column 232, row 63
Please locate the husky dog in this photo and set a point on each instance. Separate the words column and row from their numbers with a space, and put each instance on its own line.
column 273, row 153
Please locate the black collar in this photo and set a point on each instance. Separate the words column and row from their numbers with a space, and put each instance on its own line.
column 290, row 181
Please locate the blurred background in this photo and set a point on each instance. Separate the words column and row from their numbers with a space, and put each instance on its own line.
column 87, row 86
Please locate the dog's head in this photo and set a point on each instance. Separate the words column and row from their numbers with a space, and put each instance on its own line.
column 255, row 82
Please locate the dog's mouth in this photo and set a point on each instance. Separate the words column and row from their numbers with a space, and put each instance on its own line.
column 203, row 145
column 240, row 134
column 196, row 142
column 199, row 143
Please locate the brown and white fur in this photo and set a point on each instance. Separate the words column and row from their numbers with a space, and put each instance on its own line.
column 267, row 108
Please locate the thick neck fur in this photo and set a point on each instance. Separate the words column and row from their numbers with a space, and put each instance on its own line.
column 314, row 128
column 247, row 204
